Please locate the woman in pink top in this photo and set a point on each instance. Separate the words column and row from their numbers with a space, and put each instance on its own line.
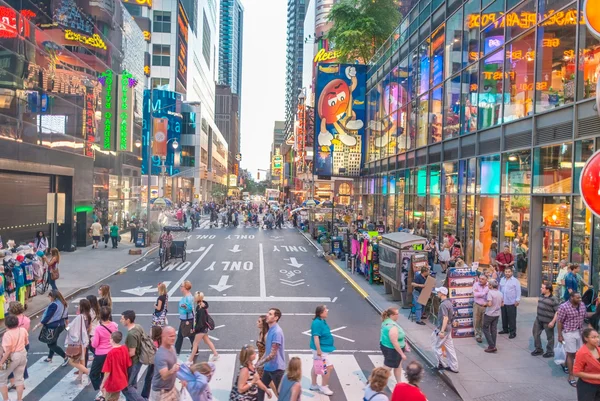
column 13, row 343
column 101, row 344
column 17, row 309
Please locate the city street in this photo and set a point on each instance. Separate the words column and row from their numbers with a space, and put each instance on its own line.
column 243, row 272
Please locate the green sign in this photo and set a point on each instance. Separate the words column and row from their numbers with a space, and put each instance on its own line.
column 107, row 77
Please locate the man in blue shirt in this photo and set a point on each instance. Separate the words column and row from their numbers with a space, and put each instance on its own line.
column 418, row 284
column 273, row 361
column 571, row 281
column 510, row 288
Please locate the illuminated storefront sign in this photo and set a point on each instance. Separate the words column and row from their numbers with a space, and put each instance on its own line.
column 325, row 56
column 90, row 122
column 182, row 45
column 125, row 114
column 106, row 79
column 523, row 19
column 147, row 36
column 232, row 180
column 94, row 41
column 147, row 3
column 8, row 22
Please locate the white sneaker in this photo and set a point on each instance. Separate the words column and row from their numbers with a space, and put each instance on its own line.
column 325, row 390
column 314, row 387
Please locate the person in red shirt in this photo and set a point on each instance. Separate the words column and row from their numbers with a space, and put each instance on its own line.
column 505, row 259
column 115, row 368
column 587, row 367
column 410, row 391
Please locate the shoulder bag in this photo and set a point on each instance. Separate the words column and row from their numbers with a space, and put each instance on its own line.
column 54, row 272
column 74, row 351
column 48, row 335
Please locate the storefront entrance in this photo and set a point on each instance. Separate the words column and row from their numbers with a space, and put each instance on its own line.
column 555, row 247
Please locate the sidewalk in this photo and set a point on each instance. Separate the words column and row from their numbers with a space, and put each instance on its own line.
column 84, row 268
column 511, row 374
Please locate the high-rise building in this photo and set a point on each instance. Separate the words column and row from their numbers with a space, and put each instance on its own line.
column 295, row 51
column 230, row 44
column 228, row 121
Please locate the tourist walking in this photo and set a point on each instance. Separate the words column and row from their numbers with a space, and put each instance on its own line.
column 480, row 292
column 96, row 229
column 247, row 384
column 290, row 388
column 392, row 342
column 14, row 341
column 95, row 316
column 166, row 367
column 547, row 313
column 493, row 307
column 263, row 329
column 510, row 288
column 418, row 284
column 133, row 341
column 156, row 336
column 186, row 316
column 106, row 235
column 17, row 309
column 201, row 327
column 587, row 367
column 115, row 369
column 53, row 272
column 321, row 344
column 376, row 385
column 77, row 339
column 570, row 323
column 159, row 317
column 114, row 235
column 410, row 391
column 274, row 359
column 102, row 346
column 442, row 335
column 104, row 296
column 53, row 323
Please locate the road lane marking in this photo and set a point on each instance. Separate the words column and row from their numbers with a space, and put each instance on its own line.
column 66, row 387
column 349, row 374
column 334, row 299
column 307, row 364
column 378, row 362
column 225, row 369
column 151, row 300
column 39, row 372
column 143, row 268
column 307, row 333
column 190, row 270
column 263, row 280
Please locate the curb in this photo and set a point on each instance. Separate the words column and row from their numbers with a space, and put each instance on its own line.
column 379, row 310
column 82, row 289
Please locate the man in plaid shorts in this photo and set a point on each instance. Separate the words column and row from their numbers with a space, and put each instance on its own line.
column 570, row 324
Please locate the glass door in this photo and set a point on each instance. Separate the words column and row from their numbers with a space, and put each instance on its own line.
column 555, row 247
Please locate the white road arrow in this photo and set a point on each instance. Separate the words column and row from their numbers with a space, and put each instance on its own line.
column 292, row 283
column 294, row 263
column 236, row 248
column 222, row 286
column 201, row 249
column 141, row 291
column 307, row 333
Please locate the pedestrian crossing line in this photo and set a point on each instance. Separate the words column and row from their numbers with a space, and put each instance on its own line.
column 225, row 372
column 66, row 389
column 378, row 362
column 39, row 371
column 349, row 374
column 307, row 363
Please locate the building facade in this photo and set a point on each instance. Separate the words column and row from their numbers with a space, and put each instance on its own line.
column 70, row 117
column 231, row 32
column 296, row 10
column 228, row 122
column 480, row 118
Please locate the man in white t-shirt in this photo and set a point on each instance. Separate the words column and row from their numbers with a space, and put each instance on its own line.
column 96, row 233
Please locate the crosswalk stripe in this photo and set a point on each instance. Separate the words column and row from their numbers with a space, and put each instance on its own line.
column 38, row 372
column 378, row 362
column 307, row 363
column 66, row 389
column 349, row 374
column 225, row 370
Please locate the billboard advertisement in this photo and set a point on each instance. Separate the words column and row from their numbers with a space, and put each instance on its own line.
column 163, row 105
column 182, row 45
column 339, row 120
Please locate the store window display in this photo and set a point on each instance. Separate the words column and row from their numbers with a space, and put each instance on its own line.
column 452, row 93
column 491, row 94
column 436, row 115
column 552, row 169
column 589, row 56
column 583, row 151
column 487, row 226
column 580, row 242
column 469, row 91
column 519, row 77
column 423, row 120
column 527, row 8
column 556, row 215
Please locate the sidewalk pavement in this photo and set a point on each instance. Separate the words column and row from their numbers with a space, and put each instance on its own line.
column 510, row 374
column 84, row 268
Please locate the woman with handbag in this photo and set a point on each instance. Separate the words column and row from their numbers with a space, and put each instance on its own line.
column 186, row 316
column 78, row 338
column 201, row 328
column 101, row 345
column 53, row 272
column 16, row 309
column 54, row 320
column 159, row 317
column 14, row 356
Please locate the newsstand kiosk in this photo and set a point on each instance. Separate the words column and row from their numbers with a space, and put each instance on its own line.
column 400, row 256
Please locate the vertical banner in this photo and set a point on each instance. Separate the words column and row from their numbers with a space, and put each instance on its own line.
column 126, row 93
column 159, row 144
column 182, row 45
column 109, row 103
column 90, row 121
column 339, row 121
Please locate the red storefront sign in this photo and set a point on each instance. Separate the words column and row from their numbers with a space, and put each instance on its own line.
column 589, row 183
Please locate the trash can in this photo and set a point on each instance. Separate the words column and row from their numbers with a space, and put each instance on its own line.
column 140, row 239
column 336, row 245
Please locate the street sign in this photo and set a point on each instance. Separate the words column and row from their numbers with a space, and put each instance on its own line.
column 589, row 183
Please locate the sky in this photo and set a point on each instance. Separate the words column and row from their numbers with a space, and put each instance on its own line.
column 263, row 79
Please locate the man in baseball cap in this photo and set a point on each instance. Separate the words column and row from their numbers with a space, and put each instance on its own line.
column 442, row 336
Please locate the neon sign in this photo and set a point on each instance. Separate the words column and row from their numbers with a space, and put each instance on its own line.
column 106, row 79
column 524, row 19
column 182, row 44
column 8, row 22
column 90, row 135
column 324, row 55
column 125, row 86
column 94, row 41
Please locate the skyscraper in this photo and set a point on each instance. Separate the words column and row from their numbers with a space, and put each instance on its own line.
column 295, row 42
column 230, row 46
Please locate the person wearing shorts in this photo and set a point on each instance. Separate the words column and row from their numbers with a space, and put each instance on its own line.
column 392, row 342
column 321, row 344
column 570, row 323
column 96, row 233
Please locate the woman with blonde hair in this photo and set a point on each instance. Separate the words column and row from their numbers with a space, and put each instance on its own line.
column 159, row 318
column 201, row 327
column 185, row 310
column 247, row 383
column 104, row 298
column 290, row 388
column 392, row 342
column 376, row 385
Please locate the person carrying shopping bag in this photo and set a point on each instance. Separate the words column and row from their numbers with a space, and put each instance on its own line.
column 78, row 339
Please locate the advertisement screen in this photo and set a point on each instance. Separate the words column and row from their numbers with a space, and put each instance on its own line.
column 340, row 119
column 182, row 46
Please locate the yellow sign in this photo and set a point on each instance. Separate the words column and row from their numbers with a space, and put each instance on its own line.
column 591, row 16
column 147, row 3
column 324, row 55
column 147, row 36
column 525, row 19
column 95, row 40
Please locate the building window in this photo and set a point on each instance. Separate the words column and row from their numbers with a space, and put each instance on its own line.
column 553, row 169
column 490, row 90
column 453, row 61
column 205, row 39
column 469, row 91
column 161, row 55
column 452, row 108
column 471, row 36
column 436, row 114
column 519, row 78
column 589, row 56
column 156, row 82
column 161, row 21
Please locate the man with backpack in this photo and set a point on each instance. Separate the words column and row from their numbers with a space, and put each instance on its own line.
column 141, row 350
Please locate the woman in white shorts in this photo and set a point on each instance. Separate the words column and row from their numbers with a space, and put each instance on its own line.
column 321, row 344
column 13, row 344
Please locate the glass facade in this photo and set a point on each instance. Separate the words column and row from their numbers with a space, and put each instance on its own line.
column 491, row 106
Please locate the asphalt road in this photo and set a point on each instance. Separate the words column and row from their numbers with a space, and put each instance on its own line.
column 243, row 272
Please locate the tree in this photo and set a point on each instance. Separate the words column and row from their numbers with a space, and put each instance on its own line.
column 360, row 27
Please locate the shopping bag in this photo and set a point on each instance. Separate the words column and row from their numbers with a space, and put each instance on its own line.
column 319, row 366
column 560, row 355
